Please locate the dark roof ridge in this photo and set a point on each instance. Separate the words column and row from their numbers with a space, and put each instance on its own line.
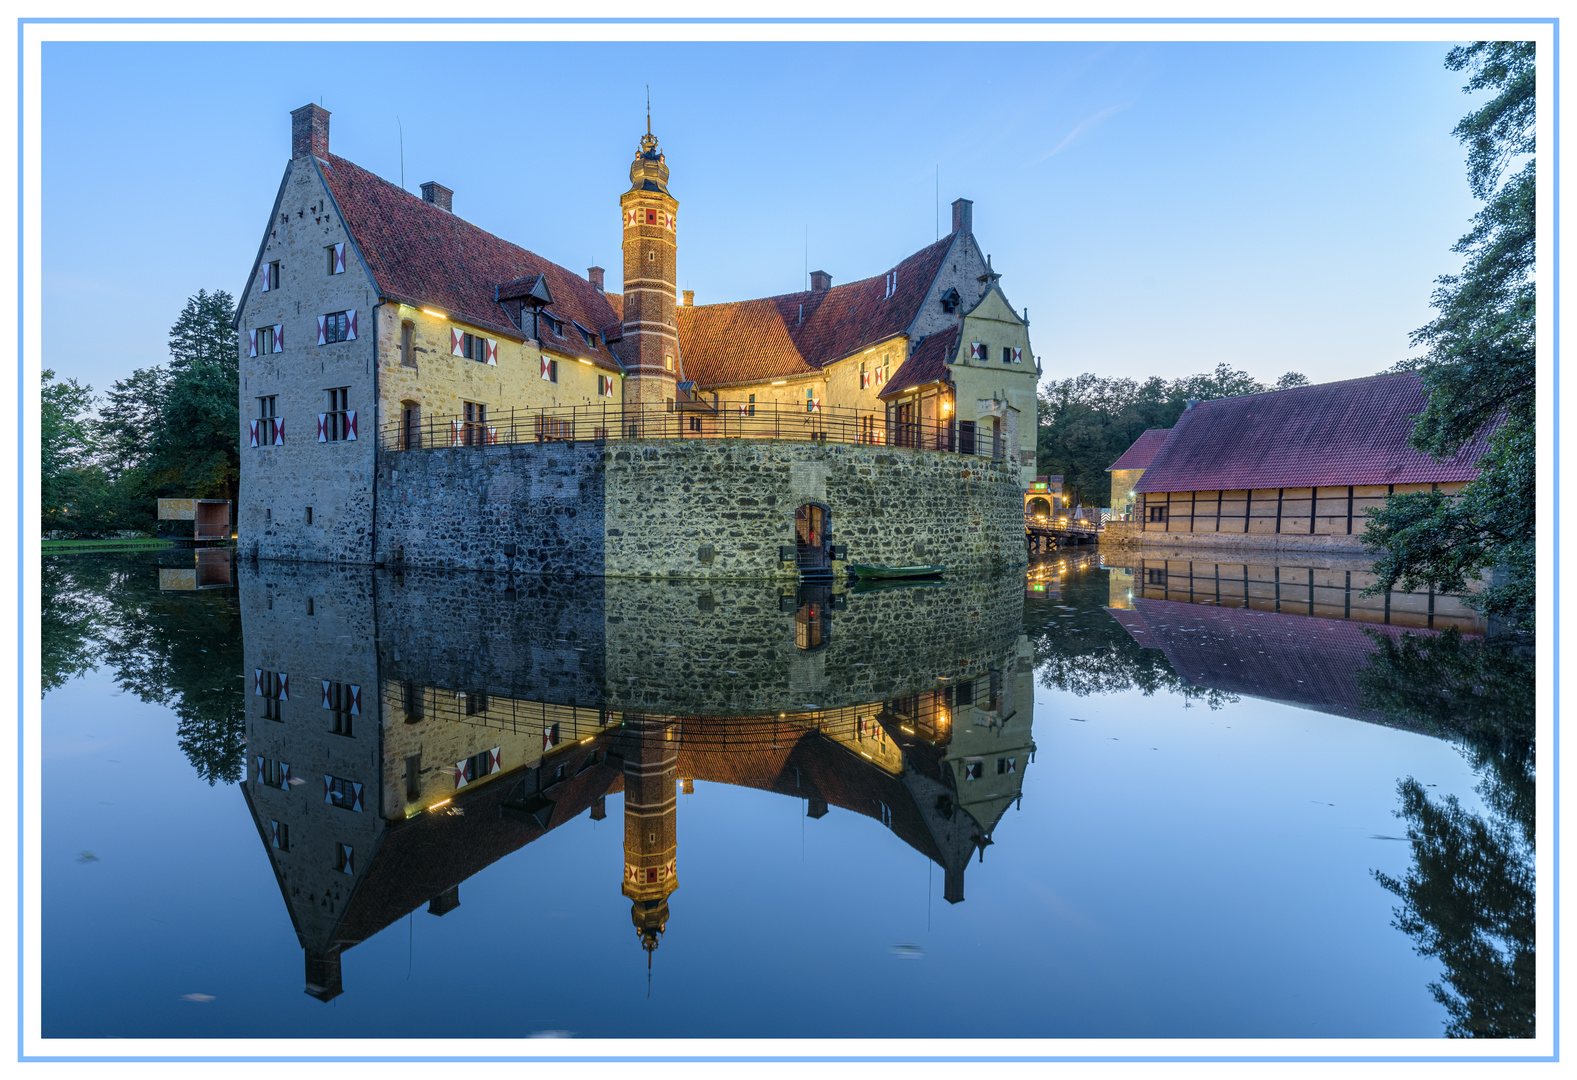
column 794, row 296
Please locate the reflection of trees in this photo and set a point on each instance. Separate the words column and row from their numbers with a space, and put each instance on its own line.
column 1468, row 897
column 179, row 649
column 1101, row 657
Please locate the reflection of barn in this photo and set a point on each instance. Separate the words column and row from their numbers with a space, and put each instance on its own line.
column 1309, row 662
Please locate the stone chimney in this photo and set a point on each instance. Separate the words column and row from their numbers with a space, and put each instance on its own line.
column 594, row 275
column 438, row 195
column 309, row 132
column 820, row 281
column 689, row 298
column 963, row 216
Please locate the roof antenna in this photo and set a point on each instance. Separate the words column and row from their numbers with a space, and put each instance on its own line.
column 402, row 153
column 648, row 108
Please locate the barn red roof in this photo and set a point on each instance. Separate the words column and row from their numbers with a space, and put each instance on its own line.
column 1330, row 434
column 1140, row 454
column 927, row 363
column 800, row 333
column 427, row 257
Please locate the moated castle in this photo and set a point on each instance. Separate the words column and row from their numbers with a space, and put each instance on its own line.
column 418, row 391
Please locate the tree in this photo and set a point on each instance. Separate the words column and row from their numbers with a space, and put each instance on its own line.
column 1291, row 379
column 65, row 436
column 1086, row 422
column 1468, row 897
column 197, row 450
column 1478, row 367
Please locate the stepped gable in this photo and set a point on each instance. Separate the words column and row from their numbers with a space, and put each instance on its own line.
column 428, row 257
column 927, row 363
column 1327, row 435
column 750, row 340
column 1143, row 450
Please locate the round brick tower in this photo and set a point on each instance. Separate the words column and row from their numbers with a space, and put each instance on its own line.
column 650, row 349
column 651, row 842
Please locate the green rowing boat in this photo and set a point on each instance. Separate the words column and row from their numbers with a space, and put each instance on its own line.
column 860, row 570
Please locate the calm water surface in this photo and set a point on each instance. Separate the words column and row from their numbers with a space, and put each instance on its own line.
column 303, row 801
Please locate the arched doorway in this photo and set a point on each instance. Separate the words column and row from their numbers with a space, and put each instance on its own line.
column 1038, row 507
column 812, row 535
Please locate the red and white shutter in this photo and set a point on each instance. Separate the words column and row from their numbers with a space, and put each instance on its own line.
column 1012, row 765
column 328, row 788
column 815, row 404
column 323, row 329
column 284, row 776
column 350, row 425
column 881, row 375
column 632, row 216
column 492, row 351
column 460, row 777
column 454, row 433
column 325, row 693
column 492, row 436
column 284, row 687
column 323, row 427
column 977, row 350
column 668, row 222
column 251, row 336
column 279, row 432
column 355, row 701
column 1018, row 356
column 547, row 368
column 279, row 337
column 266, row 268
column 550, row 736
column 494, row 760
column 350, row 325
column 254, row 432
column 339, row 258
column 257, row 681
column 355, row 797
column 456, row 342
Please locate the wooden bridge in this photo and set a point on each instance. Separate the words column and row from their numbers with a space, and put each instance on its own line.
column 1048, row 534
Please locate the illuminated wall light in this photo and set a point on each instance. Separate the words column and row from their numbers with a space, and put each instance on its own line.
column 435, row 314
column 583, row 360
column 780, row 382
column 446, row 802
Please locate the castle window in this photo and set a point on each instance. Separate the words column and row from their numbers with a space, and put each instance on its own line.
column 413, row 778
column 279, row 835
column 343, row 858
column 270, row 276
column 272, row 687
column 407, row 352
column 475, row 703
column 651, row 217
column 587, row 336
column 337, row 419
column 273, row 774
column 668, row 361
column 309, row 515
column 473, row 347
column 336, row 256
column 268, row 421
column 310, row 607
column 1158, row 514
column 695, row 424
column 750, row 410
column 345, row 794
column 336, row 326
column 1007, row 354
column 265, row 340
column 342, row 701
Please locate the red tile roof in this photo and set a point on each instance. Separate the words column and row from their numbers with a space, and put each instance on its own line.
column 927, row 363
column 427, row 257
column 1140, row 454
column 750, row 340
column 1330, row 434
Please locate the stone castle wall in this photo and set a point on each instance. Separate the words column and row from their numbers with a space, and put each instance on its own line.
column 690, row 508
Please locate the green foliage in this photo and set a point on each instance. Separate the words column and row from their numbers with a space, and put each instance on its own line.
column 181, row 650
column 1468, row 897
column 1086, row 422
column 1479, row 364
column 164, row 431
column 65, row 448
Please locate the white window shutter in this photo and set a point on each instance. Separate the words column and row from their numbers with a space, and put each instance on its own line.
column 355, row 700
column 284, row 687
column 460, row 778
column 547, row 368
column 251, row 337
column 325, row 693
column 323, row 336
column 339, row 258
column 279, row 432
column 456, row 342
column 350, row 325
column 350, row 425
column 492, row 352
column 279, row 337
column 494, row 760
column 323, row 427
column 254, row 432
column 257, row 681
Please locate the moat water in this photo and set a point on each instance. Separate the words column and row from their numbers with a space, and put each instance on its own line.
column 285, row 801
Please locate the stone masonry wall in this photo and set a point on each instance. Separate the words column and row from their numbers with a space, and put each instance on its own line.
column 701, row 509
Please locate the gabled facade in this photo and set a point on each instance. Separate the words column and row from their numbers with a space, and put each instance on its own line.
column 375, row 320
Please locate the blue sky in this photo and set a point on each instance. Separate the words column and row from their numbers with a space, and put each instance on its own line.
column 1158, row 208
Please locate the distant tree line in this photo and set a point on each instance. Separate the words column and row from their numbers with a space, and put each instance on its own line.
column 171, row 430
column 1086, row 422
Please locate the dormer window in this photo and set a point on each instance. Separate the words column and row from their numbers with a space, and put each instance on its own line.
column 587, row 336
column 556, row 326
column 950, row 300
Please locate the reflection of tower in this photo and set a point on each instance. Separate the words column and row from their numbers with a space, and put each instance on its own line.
column 651, row 335
column 650, row 839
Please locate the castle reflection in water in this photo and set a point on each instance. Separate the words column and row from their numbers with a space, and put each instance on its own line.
column 404, row 731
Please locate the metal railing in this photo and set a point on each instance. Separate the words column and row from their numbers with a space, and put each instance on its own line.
column 689, row 420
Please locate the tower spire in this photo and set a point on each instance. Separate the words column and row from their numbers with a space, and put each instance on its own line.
column 648, row 108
